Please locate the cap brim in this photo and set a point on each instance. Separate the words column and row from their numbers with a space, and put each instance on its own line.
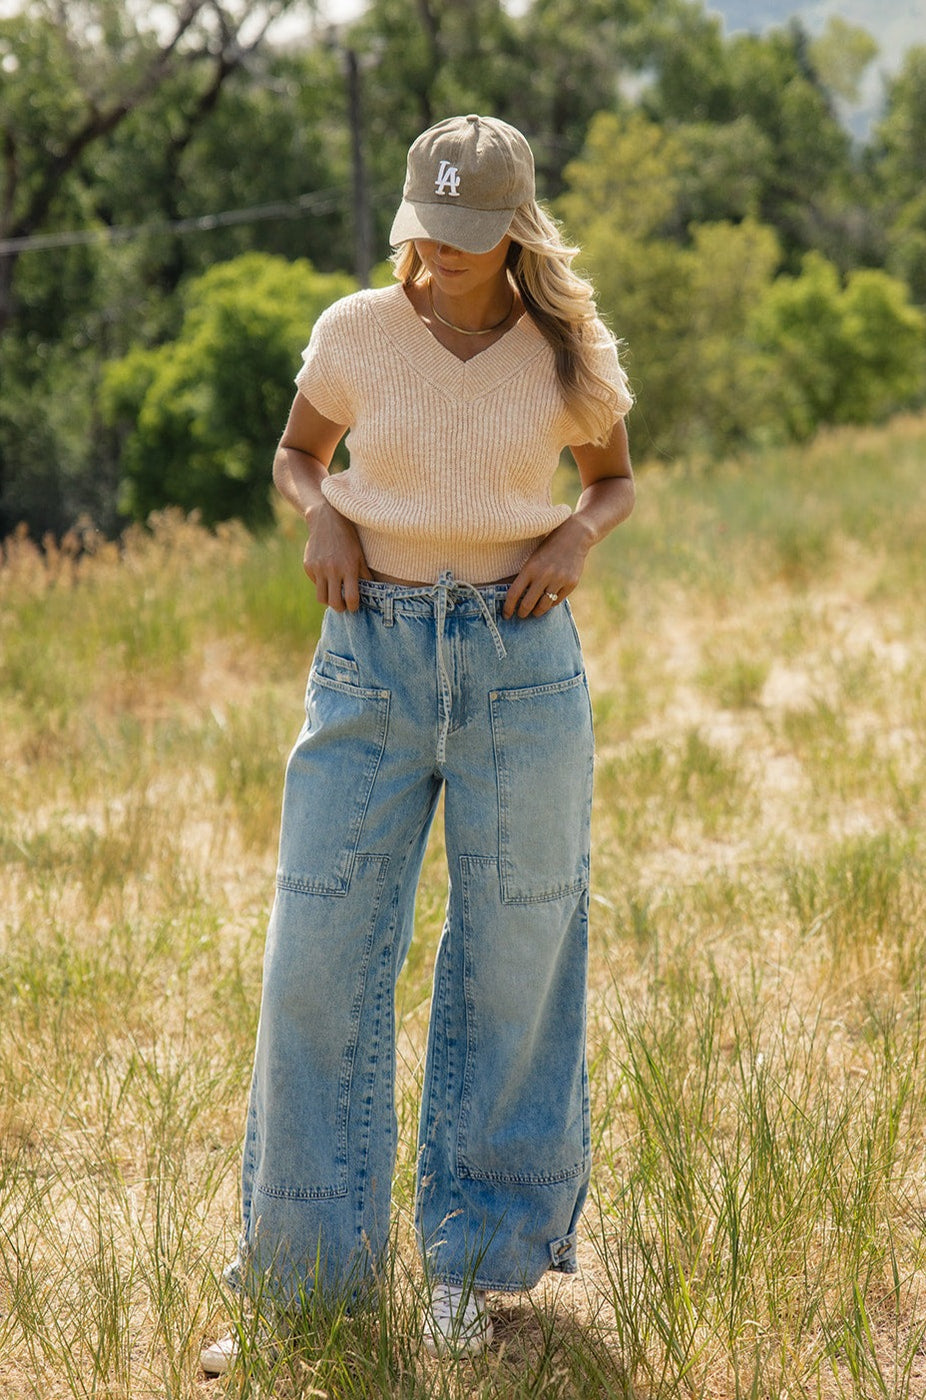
column 472, row 230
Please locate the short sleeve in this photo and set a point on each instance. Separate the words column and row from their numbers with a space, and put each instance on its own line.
column 605, row 362
column 609, row 395
column 325, row 378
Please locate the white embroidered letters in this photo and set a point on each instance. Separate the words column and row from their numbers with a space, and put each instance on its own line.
column 448, row 179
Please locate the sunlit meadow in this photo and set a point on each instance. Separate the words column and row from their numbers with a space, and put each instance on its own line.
column 756, row 643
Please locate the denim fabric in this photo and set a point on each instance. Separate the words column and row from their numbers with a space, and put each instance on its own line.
column 424, row 690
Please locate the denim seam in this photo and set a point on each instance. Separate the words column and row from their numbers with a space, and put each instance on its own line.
column 350, row 1052
column 489, row 1285
column 249, row 1160
column 567, row 610
column 341, row 1186
column 511, row 893
column 362, row 692
column 524, row 1178
column 346, row 670
column 300, row 1193
column 465, row 1169
column 470, row 1022
column 579, row 886
column 338, row 884
column 388, row 976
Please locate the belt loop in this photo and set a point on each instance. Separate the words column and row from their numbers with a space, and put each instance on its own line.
column 388, row 608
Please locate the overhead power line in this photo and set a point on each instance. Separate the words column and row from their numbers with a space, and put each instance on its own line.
column 319, row 202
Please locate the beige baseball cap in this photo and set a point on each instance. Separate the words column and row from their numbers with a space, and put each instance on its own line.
column 465, row 178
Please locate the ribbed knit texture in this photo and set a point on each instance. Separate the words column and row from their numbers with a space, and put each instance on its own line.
column 451, row 461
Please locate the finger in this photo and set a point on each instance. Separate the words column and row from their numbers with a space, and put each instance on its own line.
column 530, row 599
column 351, row 585
column 547, row 601
column 329, row 592
column 350, row 590
column 513, row 596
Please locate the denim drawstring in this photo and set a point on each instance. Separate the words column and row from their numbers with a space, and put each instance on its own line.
column 443, row 593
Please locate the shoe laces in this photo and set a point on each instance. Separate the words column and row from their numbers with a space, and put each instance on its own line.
column 455, row 1308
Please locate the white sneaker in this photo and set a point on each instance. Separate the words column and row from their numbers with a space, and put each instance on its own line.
column 219, row 1358
column 457, row 1323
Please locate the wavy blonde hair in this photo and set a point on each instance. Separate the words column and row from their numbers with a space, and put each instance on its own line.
column 561, row 304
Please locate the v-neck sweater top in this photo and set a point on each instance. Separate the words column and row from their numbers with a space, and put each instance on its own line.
column 451, row 461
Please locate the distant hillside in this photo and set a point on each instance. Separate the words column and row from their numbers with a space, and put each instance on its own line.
column 897, row 25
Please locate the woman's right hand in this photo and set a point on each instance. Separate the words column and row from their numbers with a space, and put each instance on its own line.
column 334, row 558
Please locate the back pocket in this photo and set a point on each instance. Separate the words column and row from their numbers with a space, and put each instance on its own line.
column 543, row 743
column 329, row 779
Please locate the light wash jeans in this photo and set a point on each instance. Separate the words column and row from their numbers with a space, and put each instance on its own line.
column 423, row 690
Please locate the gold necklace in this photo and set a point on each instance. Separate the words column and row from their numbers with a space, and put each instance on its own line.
column 462, row 330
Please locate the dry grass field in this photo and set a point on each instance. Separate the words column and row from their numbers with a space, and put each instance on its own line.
column 756, row 643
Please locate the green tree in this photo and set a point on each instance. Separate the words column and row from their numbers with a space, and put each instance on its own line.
column 841, row 55
column 726, row 168
column 582, row 57
column 420, row 62
column 100, row 105
column 199, row 416
column 547, row 68
column 620, row 198
column 683, row 309
column 898, row 158
column 265, row 144
column 73, row 75
column 841, row 353
column 732, row 270
column 796, row 149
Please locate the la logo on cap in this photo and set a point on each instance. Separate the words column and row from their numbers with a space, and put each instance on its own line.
column 448, row 179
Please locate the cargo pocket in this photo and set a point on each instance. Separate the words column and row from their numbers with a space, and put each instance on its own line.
column 329, row 778
column 542, row 737
column 524, row 1116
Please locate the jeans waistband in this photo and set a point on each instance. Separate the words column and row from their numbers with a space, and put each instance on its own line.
column 446, row 595
column 388, row 597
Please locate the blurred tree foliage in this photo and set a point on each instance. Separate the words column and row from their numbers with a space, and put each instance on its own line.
column 199, row 415
column 717, row 195
column 723, row 348
column 839, row 352
column 111, row 116
column 897, row 161
column 841, row 55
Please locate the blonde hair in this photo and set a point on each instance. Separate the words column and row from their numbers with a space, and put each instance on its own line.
column 561, row 304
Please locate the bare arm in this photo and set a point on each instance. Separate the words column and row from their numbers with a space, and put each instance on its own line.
column 333, row 556
column 607, row 499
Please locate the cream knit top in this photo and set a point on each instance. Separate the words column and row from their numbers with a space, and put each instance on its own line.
column 451, row 461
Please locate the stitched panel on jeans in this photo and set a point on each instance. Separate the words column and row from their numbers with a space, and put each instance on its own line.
column 329, row 779
column 316, row 976
column 543, row 759
column 524, row 1102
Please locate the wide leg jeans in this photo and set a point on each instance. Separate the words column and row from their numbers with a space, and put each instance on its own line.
column 423, row 691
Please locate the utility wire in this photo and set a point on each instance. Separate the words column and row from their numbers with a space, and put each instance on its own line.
column 319, row 202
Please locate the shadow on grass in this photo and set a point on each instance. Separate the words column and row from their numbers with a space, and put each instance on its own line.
column 540, row 1348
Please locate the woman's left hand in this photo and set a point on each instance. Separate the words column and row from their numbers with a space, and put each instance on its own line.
column 551, row 573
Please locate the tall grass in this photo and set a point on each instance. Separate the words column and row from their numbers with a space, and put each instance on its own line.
column 757, row 1019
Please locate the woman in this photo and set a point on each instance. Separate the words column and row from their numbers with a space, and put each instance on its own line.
column 448, row 661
